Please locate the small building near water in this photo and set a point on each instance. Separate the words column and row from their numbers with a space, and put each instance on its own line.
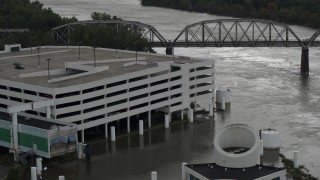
column 237, row 151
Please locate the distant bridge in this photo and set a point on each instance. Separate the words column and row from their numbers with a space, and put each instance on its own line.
column 5, row 33
column 63, row 33
column 212, row 33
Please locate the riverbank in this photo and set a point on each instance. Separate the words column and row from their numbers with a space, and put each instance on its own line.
column 305, row 13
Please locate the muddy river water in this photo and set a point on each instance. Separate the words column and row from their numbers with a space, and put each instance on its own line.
column 267, row 91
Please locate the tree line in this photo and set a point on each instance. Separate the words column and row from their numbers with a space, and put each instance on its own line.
column 32, row 15
column 300, row 12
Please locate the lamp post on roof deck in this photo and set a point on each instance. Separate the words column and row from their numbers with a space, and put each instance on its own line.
column 38, row 49
column 137, row 45
column 117, row 47
column 172, row 54
column 49, row 59
column 117, row 37
column 94, row 56
column 79, row 50
column 136, row 50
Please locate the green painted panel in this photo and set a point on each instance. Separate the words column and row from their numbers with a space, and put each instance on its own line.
column 5, row 135
column 28, row 140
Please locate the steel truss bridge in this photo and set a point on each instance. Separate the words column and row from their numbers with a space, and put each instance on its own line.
column 63, row 33
column 212, row 33
column 5, row 33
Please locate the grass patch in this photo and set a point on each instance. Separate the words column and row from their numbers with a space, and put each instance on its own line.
column 300, row 173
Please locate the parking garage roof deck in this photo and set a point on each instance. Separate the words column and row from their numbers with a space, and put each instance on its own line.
column 60, row 55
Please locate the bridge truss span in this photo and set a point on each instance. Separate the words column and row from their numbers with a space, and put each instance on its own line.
column 313, row 41
column 211, row 33
column 62, row 34
column 237, row 33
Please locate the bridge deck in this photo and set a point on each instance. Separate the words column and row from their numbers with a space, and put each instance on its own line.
column 233, row 44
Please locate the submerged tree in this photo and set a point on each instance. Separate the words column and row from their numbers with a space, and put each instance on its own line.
column 108, row 35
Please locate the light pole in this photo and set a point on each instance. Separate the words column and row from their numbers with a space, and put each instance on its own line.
column 117, row 47
column 38, row 49
column 79, row 50
column 136, row 43
column 117, row 37
column 94, row 56
column 172, row 54
column 48, row 68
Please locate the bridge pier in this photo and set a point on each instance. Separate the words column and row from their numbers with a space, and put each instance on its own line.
column 304, row 70
column 169, row 50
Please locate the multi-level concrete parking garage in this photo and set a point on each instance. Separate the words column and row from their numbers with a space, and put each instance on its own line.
column 93, row 88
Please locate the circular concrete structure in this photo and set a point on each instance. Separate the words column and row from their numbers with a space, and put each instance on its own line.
column 237, row 136
column 271, row 138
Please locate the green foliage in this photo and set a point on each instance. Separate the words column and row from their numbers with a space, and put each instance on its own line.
column 106, row 36
column 298, row 174
column 32, row 16
column 103, row 16
column 302, row 12
column 26, row 14
column 40, row 21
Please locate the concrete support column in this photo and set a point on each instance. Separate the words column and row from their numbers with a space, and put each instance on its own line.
column 223, row 104
column 183, row 171
column 15, row 131
column 304, row 70
column 166, row 121
column 106, row 131
column 118, row 126
column 154, row 175
column 61, row 178
column 296, row 159
column 48, row 112
column 33, row 173
column 191, row 116
column 261, row 147
column 149, row 119
column 39, row 166
column 82, row 136
column 169, row 50
column 213, row 102
column 182, row 114
column 113, row 134
column 80, row 151
column 141, row 127
column 128, row 124
column 210, row 109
